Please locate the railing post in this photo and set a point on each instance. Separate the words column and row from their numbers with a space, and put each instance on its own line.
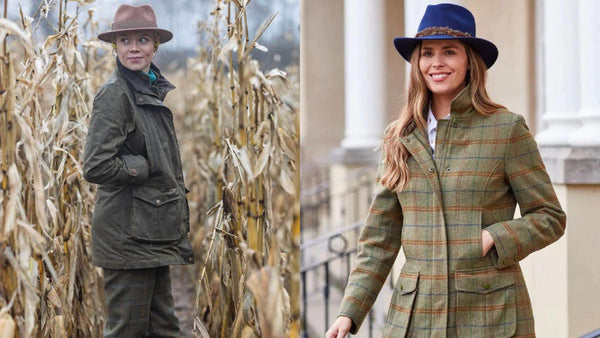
column 304, row 304
column 370, row 324
column 326, row 295
column 348, row 265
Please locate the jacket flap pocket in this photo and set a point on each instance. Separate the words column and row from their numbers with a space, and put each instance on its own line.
column 483, row 282
column 407, row 283
column 156, row 196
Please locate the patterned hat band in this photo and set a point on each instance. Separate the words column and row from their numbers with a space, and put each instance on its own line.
column 132, row 25
column 442, row 31
column 447, row 21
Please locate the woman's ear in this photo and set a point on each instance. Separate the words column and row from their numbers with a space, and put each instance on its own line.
column 156, row 42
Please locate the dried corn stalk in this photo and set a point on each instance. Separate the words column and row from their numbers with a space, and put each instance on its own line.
column 243, row 165
column 48, row 286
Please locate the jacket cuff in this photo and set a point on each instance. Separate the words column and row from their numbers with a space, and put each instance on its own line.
column 504, row 253
column 136, row 167
column 356, row 315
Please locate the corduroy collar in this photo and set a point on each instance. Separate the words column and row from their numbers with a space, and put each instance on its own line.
column 140, row 81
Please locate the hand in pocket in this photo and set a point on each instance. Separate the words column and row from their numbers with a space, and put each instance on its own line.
column 487, row 241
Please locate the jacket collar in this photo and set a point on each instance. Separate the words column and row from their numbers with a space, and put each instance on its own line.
column 461, row 106
column 140, row 81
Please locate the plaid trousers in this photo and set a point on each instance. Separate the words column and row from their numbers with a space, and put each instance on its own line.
column 139, row 303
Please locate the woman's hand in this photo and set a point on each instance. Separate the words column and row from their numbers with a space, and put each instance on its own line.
column 340, row 328
column 487, row 241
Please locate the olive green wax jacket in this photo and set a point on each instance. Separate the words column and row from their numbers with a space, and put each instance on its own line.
column 141, row 216
column 483, row 167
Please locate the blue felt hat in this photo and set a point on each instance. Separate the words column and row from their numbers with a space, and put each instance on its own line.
column 448, row 21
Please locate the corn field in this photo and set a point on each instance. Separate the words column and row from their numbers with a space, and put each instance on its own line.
column 48, row 286
column 238, row 133
column 245, row 172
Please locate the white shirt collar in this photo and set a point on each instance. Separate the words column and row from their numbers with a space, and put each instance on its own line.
column 432, row 127
column 431, row 121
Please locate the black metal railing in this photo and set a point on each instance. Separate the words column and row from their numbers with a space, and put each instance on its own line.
column 335, row 253
column 326, row 260
column 317, row 200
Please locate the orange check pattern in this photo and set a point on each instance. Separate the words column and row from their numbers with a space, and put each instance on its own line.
column 484, row 166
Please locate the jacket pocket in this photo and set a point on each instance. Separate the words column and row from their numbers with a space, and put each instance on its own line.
column 485, row 303
column 401, row 307
column 156, row 214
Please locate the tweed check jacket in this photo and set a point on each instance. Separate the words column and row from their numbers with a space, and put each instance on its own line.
column 484, row 166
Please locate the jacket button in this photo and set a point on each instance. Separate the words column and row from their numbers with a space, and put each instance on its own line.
column 190, row 259
column 157, row 201
column 486, row 285
column 140, row 100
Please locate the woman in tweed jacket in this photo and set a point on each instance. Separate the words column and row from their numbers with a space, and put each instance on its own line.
column 455, row 164
column 141, row 218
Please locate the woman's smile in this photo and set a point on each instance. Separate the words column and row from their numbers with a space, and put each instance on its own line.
column 439, row 77
column 134, row 60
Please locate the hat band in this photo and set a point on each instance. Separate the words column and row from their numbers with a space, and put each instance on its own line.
column 132, row 25
column 442, row 31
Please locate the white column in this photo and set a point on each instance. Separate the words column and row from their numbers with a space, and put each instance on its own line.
column 414, row 10
column 589, row 86
column 364, row 50
column 561, row 72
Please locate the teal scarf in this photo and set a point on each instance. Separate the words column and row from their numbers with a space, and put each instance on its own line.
column 152, row 76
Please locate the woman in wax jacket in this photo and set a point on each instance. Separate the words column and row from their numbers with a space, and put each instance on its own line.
column 141, row 218
column 455, row 164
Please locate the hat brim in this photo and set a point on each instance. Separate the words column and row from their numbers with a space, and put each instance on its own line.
column 163, row 34
column 486, row 49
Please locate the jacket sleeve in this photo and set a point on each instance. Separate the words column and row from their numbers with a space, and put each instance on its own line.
column 542, row 219
column 104, row 161
column 378, row 246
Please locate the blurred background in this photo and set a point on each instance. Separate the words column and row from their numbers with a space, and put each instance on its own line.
column 352, row 81
column 182, row 18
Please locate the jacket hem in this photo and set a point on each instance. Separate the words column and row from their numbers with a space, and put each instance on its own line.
column 143, row 264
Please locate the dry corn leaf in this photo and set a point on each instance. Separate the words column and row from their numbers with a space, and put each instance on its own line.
column 7, row 26
column 266, row 288
column 8, row 327
column 261, row 29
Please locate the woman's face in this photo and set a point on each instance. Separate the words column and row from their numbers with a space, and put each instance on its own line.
column 443, row 65
column 135, row 49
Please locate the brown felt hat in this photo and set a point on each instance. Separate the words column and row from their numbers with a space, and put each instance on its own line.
column 135, row 18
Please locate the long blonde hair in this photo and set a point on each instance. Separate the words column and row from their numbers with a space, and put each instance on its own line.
column 412, row 115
